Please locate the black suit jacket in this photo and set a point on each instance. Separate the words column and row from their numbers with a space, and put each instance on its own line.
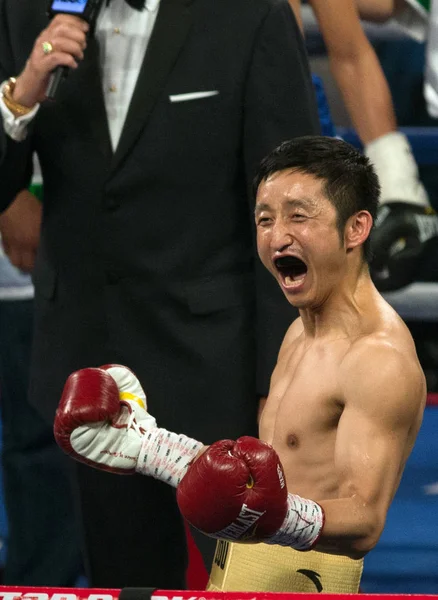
column 147, row 255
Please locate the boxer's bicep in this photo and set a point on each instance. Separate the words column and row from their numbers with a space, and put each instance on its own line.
column 382, row 397
column 382, row 394
column 368, row 457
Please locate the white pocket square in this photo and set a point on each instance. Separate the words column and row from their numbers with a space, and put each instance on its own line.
column 192, row 96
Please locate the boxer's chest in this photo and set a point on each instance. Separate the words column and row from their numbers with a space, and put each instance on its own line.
column 305, row 398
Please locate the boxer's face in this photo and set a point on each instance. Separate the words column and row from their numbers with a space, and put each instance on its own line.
column 297, row 237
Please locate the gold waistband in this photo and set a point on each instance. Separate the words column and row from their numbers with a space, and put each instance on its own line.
column 261, row 567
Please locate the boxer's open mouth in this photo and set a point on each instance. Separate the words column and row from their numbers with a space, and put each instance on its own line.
column 292, row 269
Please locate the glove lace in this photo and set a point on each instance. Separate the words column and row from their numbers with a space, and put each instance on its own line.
column 133, row 424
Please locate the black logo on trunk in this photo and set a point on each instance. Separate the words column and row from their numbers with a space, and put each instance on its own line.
column 314, row 578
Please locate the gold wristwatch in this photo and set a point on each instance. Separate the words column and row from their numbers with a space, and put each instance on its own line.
column 17, row 109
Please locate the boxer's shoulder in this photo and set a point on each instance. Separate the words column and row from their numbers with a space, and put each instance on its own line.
column 382, row 368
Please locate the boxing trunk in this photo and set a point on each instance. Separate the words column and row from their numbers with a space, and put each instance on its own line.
column 265, row 568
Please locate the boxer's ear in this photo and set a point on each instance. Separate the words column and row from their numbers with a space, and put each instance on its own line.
column 357, row 229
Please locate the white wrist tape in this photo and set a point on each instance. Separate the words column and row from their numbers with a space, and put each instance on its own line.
column 395, row 165
column 166, row 456
column 302, row 525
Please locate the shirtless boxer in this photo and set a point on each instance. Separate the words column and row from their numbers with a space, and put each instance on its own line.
column 345, row 403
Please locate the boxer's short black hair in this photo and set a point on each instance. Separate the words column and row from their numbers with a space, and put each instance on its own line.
column 350, row 181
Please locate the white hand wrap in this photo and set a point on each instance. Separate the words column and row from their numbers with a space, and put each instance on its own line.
column 166, row 455
column 302, row 525
column 395, row 165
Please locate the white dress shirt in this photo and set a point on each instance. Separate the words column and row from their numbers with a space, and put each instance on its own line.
column 123, row 34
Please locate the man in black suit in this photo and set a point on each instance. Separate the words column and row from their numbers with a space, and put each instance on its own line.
column 146, row 255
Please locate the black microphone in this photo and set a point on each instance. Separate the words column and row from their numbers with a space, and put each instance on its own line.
column 87, row 10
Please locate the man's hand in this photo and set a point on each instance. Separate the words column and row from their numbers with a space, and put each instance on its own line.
column 20, row 226
column 67, row 36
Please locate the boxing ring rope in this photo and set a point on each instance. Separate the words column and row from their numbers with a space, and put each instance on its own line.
column 47, row 593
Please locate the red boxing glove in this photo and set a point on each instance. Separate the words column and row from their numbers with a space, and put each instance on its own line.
column 102, row 421
column 235, row 491
column 102, row 417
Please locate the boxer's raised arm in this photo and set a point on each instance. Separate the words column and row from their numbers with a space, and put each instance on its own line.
column 384, row 394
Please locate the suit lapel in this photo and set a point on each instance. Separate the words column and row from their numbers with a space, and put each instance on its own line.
column 170, row 31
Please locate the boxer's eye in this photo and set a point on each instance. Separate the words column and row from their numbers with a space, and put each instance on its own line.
column 291, row 266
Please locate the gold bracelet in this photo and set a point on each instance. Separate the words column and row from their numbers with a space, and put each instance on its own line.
column 17, row 109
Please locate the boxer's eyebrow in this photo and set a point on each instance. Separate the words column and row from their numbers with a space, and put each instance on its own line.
column 305, row 203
